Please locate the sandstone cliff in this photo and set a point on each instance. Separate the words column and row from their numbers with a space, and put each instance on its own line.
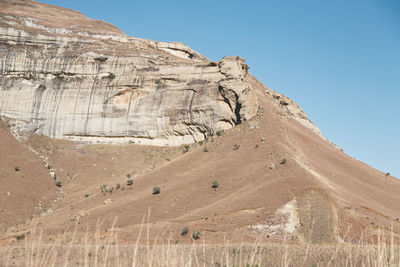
column 85, row 80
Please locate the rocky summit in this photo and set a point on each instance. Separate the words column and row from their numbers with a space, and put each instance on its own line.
column 88, row 81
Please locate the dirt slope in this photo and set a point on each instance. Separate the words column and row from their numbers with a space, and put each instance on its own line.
column 319, row 194
column 26, row 192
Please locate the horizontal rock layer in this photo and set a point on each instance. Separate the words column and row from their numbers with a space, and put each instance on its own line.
column 104, row 86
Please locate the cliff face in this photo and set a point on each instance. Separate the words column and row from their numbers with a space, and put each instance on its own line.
column 82, row 79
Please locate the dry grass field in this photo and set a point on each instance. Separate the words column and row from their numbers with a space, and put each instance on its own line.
column 71, row 251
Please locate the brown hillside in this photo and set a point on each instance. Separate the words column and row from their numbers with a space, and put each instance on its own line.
column 26, row 192
column 334, row 196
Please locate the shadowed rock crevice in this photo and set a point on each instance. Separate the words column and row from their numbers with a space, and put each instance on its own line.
column 232, row 100
column 237, row 110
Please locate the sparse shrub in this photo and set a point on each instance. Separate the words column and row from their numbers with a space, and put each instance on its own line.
column 196, row 235
column 118, row 186
column 219, row 133
column 156, row 190
column 215, row 184
column 86, row 195
column 128, row 175
column 20, row 237
column 55, row 176
column 16, row 168
column 236, row 147
column 201, row 143
column 256, row 146
column 185, row 230
column 103, row 189
column 58, row 183
column 387, row 174
column 48, row 167
column 186, row 148
column 283, row 161
column 129, row 182
column 205, row 149
column 235, row 251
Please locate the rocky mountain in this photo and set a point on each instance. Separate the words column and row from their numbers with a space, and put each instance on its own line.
column 66, row 81
column 85, row 80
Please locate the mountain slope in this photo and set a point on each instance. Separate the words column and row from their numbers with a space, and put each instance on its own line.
column 278, row 176
column 320, row 194
column 26, row 186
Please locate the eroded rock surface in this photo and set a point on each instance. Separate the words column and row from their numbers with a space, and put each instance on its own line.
column 85, row 80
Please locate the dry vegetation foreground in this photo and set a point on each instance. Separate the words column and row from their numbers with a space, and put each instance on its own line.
column 94, row 249
column 200, row 254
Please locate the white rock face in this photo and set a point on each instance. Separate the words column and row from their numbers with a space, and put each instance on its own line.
column 108, row 87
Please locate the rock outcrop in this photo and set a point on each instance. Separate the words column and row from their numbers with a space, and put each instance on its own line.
column 85, row 80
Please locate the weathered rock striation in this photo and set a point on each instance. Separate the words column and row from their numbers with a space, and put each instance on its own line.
column 85, row 80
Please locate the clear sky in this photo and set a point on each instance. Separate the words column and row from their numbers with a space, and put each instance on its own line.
column 339, row 60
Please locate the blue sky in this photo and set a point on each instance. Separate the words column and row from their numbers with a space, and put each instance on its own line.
column 339, row 60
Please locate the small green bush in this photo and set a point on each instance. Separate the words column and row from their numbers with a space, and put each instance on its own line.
column 205, row 149
column 20, row 237
column 219, row 133
column 86, row 195
column 196, row 235
column 186, row 148
column 58, row 183
column 128, row 175
column 16, row 168
column 236, row 147
column 283, row 161
column 387, row 174
column 156, row 190
column 215, row 184
column 129, row 182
